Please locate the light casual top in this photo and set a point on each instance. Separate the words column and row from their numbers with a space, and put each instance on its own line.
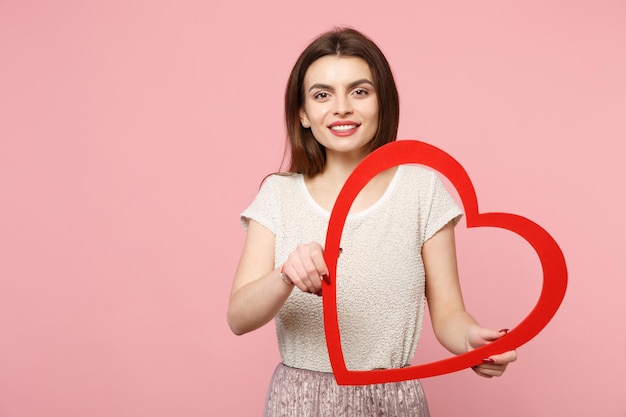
column 380, row 273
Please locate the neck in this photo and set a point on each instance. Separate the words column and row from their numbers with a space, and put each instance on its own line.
column 339, row 166
column 326, row 186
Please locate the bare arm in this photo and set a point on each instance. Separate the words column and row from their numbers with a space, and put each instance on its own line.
column 257, row 293
column 443, row 291
column 454, row 327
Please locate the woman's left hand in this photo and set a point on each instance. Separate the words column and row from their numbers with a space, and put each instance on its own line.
column 494, row 365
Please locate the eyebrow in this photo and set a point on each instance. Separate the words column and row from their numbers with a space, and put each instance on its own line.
column 351, row 85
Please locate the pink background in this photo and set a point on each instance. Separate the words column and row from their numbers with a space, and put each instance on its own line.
column 133, row 133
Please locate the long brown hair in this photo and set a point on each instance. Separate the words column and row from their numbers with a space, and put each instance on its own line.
column 307, row 155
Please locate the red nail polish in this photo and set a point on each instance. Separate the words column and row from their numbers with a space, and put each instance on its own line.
column 504, row 330
column 326, row 278
column 488, row 360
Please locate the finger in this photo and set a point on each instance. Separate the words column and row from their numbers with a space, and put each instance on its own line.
column 296, row 270
column 305, row 269
column 489, row 335
column 478, row 371
column 480, row 336
column 495, row 365
column 312, row 272
column 489, row 373
column 292, row 273
column 317, row 257
column 505, row 358
column 490, row 369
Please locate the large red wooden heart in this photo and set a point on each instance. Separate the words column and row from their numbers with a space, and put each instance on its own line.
column 415, row 152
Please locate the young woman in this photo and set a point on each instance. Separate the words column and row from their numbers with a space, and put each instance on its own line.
column 398, row 249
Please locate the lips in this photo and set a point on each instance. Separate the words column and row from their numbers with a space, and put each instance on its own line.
column 343, row 127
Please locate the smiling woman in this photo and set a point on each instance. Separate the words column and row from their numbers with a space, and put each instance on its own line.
column 340, row 106
column 308, row 156
column 398, row 246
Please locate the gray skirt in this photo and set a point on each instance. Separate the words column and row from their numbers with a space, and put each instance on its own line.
column 302, row 393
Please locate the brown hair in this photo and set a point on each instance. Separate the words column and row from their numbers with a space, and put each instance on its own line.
column 307, row 155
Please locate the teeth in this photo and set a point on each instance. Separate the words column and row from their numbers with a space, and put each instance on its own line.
column 343, row 128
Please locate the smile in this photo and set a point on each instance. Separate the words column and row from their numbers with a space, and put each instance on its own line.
column 343, row 128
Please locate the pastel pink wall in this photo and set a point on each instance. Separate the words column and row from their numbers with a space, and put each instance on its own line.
column 133, row 133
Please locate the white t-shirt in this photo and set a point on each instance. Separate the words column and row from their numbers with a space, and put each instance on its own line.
column 380, row 273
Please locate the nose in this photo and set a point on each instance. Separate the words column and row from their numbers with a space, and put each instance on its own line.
column 343, row 106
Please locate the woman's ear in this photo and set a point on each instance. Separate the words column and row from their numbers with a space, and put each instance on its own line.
column 304, row 120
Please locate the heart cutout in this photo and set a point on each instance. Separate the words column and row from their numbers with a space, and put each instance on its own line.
column 416, row 152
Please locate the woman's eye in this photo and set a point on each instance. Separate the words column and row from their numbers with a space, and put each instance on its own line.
column 360, row 92
column 320, row 95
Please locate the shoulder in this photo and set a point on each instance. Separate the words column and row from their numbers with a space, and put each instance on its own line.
column 279, row 183
column 272, row 197
column 415, row 169
column 425, row 184
column 417, row 175
column 281, row 179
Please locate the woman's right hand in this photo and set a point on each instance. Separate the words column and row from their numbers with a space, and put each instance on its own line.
column 258, row 293
column 306, row 267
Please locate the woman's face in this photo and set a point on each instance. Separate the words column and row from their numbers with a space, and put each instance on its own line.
column 340, row 104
